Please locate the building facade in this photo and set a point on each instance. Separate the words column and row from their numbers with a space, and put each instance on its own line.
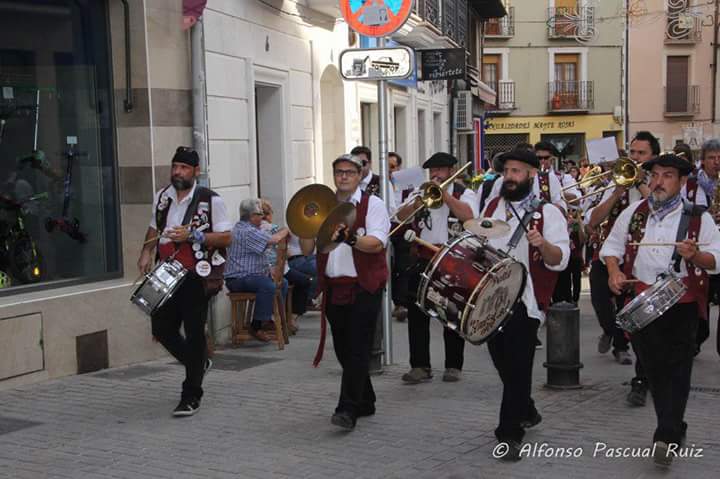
column 672, row 84
column 96, row 96
column 557, row 67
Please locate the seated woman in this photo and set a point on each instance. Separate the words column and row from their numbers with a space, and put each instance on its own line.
column 247, row 268
column 302, row 274
column 276, row 255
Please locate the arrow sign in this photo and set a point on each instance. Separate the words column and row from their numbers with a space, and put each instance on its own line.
column 377, row 63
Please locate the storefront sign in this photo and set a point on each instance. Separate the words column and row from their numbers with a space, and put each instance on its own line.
column 527, row 125
column 441, row 64
column 376, row 64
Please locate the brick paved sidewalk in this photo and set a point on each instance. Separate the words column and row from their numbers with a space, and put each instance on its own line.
column 266, row 415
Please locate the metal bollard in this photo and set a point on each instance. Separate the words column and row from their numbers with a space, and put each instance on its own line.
column 563, row 346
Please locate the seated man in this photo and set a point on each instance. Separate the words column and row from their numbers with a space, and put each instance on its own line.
column 302, row 274
column 247, row 268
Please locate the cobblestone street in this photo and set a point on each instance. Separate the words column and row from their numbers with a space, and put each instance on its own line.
column 266, row 415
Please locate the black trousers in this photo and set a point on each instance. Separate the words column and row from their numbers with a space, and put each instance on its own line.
column 606, row 304
column 704, row 326
column 568, row 284
column 419, row 334
column 187, row 307
column 402, row 261
column 353, row 328
column 512, row 351
column 666, row 347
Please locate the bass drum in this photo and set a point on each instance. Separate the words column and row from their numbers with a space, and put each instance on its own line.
column 471, row 287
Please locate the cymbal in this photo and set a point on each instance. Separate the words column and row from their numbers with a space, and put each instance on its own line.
column 308, row 208
column 489, row 228
column 344, row 213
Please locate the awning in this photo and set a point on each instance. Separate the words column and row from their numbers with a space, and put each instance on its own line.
column 488, row 8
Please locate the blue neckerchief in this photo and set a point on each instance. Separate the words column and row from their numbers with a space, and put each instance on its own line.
column 659, row 210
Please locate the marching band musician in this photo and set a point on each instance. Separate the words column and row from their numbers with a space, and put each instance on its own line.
column 547, row 155
column 370, row 182
column 545, row 186
column 539, row 240
column 665, row 346
column 643, row 147
column 351, row 278
column 436, row 226
column 196, row 229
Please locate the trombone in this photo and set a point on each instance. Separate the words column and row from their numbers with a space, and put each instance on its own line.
column 625, row 172
column 430, row 197
column 590, row 178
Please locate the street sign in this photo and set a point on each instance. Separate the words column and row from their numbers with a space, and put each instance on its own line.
column 441, row 64
column 377, row 63
column 375, row 18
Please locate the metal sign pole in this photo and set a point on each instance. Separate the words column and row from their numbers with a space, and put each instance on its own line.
column 386, row 192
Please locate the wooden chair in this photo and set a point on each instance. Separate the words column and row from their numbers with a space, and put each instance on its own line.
column 242, row 306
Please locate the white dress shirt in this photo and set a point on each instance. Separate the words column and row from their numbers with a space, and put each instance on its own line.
column 439, row 216
column 653, row 260
column 392, row 203
column 377, row 224
column 565, row 181
column 293, row 246
column 220, row 220
column 553, row 182
column 555, row 231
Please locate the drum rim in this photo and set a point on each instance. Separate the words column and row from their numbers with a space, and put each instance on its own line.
column 473, row 296
column 644, row 296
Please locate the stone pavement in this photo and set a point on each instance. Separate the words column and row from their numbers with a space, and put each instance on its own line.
column 266, row 415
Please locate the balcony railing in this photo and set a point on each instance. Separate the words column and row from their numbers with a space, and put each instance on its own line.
column 564, row 22
column 505, row 96
column 501, row 27
column 570, row 96
column 429, row 11
column 454, row 20
column 683, row 28
column 682, row 101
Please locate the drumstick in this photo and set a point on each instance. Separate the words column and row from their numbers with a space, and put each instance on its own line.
column 410, row 236
column 662, row 244
column 157, row 237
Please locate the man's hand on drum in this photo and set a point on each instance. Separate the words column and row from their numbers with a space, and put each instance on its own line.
column 617, row 282
column 145, row 261
column 178, row 234
column 687, row 249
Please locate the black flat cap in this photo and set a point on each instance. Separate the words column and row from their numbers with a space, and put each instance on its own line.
column 670, row 160
column 526, row 156
column 440, row 159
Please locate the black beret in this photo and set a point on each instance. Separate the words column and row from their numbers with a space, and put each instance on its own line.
column 670, row 160
column 186, row 155
column 438, row 160
column 526, row 156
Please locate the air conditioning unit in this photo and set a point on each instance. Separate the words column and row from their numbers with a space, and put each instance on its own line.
column 463, row 120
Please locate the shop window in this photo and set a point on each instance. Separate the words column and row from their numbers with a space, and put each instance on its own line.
column 58, row 194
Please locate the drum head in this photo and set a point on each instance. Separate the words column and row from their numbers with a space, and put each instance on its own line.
column 493, row 300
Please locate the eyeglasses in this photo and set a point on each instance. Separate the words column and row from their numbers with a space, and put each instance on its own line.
column 345, row 172
column 365, row 162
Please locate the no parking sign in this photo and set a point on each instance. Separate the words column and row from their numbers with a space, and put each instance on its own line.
column 376, row 18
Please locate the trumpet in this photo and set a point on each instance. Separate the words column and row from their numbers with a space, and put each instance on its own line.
column 430, row 197
column 625, row 172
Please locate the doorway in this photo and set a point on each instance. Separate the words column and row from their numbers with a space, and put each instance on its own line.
column 270, row 152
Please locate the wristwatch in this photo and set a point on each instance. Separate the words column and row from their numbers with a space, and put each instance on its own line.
column 351, row 240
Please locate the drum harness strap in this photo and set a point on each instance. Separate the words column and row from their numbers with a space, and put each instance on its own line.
column 682, row 233
column 530, row 209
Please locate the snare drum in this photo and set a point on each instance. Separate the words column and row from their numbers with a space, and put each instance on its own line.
column 651, row 303
column 159, row 286
column 471, row 287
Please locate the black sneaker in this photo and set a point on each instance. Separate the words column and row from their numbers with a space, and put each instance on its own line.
column 343, row 419
column 208, row 366
column 637, row 395
column 533, row 421
column 508, row 451
column 187, row 407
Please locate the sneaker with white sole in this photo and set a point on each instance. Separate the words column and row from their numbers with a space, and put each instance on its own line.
column 417, row 375
column 451, row 375
column 604, row 343
column 662, row 455
column 187, row 407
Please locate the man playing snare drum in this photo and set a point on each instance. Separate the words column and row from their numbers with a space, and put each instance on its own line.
column 672, row 234
column 195, row 230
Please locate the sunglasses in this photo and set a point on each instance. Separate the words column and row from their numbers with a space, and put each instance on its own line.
column 543, row 157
